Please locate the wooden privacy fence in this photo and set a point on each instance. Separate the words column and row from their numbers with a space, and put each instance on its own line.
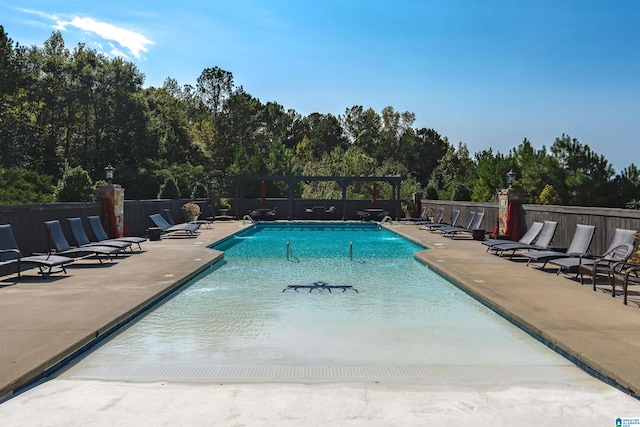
column 27, row 221
column 606, row 220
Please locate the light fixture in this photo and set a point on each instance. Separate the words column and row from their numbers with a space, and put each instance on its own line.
column 511, row 177
column 109, row 172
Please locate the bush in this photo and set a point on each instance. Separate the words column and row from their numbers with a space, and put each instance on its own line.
column 75, row 186
column 22, row 186
column 169, row 189
column 549, row 196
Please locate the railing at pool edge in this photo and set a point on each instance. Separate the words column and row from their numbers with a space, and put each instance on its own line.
column 248, row 219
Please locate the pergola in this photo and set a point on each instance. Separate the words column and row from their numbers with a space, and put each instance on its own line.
column 343, row 182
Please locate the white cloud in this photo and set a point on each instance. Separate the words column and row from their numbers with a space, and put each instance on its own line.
column 117, row 52
column 134, row 42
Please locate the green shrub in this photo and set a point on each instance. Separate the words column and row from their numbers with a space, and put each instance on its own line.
column 169, row 189
column 549, row 196
column 23, row 186
column 75, row 186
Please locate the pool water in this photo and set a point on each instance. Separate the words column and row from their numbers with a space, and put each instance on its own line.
column 397, row 312
column 318, row 241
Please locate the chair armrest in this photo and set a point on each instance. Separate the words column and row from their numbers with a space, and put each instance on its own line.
column 585, row 256
column 634, row 268
column 15, row 251
column 621, row 267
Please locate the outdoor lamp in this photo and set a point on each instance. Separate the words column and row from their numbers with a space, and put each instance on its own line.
column 109, row 172
column 511, row 176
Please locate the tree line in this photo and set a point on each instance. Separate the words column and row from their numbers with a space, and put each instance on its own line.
column 66, row 113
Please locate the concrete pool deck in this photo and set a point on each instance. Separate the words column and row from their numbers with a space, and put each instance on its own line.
column 43, row 321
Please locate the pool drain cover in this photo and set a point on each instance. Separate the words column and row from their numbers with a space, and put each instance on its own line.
column 320, row 286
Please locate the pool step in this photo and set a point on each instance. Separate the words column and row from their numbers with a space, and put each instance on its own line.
column 296, row 373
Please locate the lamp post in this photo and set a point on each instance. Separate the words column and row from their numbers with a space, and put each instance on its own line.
column 109, row 172
column 511, row 177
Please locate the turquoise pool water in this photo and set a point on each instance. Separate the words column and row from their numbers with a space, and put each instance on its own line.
column 242, row 312
column 318, row 241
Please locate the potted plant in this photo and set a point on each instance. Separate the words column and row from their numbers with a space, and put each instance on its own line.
column 193, row 210
column 223, row 206
column 407, row 207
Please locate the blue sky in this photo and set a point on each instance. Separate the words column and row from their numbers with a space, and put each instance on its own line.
column 488, row 73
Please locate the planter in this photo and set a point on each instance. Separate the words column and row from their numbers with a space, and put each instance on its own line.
column 223, row 212
column 193, row 218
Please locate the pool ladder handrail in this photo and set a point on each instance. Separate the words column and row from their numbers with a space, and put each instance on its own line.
column 249, row 219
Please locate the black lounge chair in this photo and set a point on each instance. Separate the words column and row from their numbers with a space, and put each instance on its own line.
column 11, row 256
column 82, row 239
column 219, row 217
column 62, row 247
column 438, row 226
column 101, row 235
column 541, row 243
column 527, row 238
column 454, row 227
column 167, row 228
column 619, row 249
column 474, row 225
column 171, row 221
column 578, row 247
column 206, row 222
column 437, row 220
column 421, row 217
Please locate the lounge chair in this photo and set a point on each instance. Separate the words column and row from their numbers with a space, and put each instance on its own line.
column 206, row 222
column 475, row 224
column 578, row 247
column 541, row 243
column 62, row 247
column 101, row 235
column 527, row 238
column 437, row 220
column 454, row 227
column 438, row 226
column 82, row 239
column 421, row 217
column 219, row 217
column 11, row 256
column 619, row 249
column 172, row 222
column 167, row 228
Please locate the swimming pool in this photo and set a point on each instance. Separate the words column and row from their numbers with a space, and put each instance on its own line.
column 243, row 321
